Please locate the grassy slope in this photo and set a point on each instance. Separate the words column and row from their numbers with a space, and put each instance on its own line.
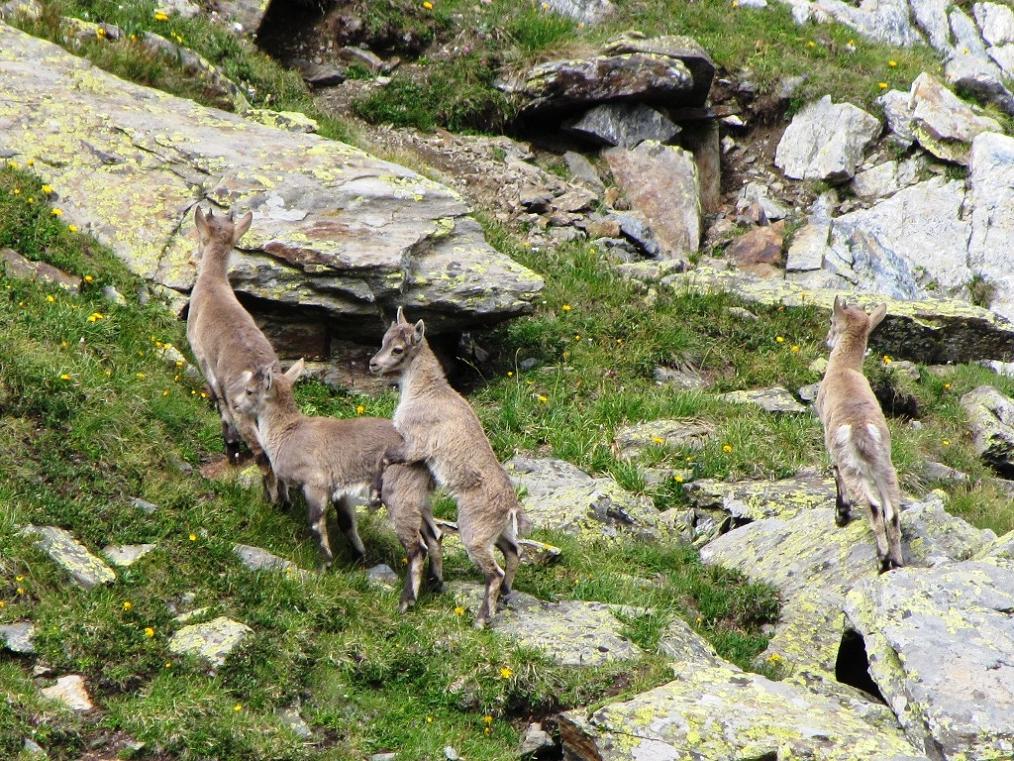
column 75, row 450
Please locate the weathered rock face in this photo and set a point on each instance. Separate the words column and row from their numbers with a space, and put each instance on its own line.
column 633, row 440
column 776, row 400
column 85, row 568
column 720, row 712
column 826, row 141
column 70, row 690
column 561, row 496
column 991, row 198
column 661, row 182
column 991, row 419
column 17, row 637
column 939, row 644
column 623, row 124
column 212, row 641
column 585, row 11
column 746, row 501
column 244, row 15
column 926, row 330
column 335, row 231
column 16, row 266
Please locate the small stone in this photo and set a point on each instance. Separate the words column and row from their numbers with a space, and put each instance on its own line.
column 776, row 400
column 384, row 757
column 17, row 637
column 679, row 378
column 450, row 753
column 17, row 266
column 382, row 575
column 70, row 690
column 583, row 171
column 32, row 748
column 638, row 438
column 528, row 363
column 818, row 366
column 755, row 192
column 808, row 247
column 742, row 314
column 826, row 141
column 146, row 507
column 291, row 718
column 535, row 740
column 809, row 393
column 124, row 555
column 760, row 246
column 87, row 570
column 258, row 559
column 113, row 296
column 623, row 124
column 212, row 641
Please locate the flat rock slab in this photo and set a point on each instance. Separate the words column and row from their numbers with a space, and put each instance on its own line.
column 623, row 124
column 17, row 637
column 15, row 265
column 581, row 633
column 633, row 440
column 776, row 400
column 335, row 230
column 826, row 141
column 212, row 641
column 87, row 570
column 813, row 563
column 719, row 712
column 124, row 555
column 927, row 330
column 939, row 644
column 562, row 497
column 258, row 559
column 70, row 690
column 754, row 500
column 991, row 420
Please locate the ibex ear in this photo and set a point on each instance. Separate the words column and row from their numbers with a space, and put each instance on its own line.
column 876, row 317
column 241, row 227
column 200, row 221
column 296, row 370
column 839, row 306
column 420, row 331
column 245, row 377
column 400, row 319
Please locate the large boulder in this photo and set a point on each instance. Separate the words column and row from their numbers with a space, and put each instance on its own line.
column 826, row 141
column 991, row 198
column 991, row 420
column 336, row 232
column 939, row 645
column 929, row 330
column 716, row 712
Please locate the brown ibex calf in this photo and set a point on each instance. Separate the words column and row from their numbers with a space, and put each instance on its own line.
column 334, row 460
column 856, row 433
column 226, row 342
column 441, row 430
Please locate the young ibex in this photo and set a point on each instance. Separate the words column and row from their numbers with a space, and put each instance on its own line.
column 856, row 433
column 226, row 342
column 441, row 430
column 335, row 460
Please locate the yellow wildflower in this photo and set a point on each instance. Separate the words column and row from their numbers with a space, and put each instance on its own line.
column 506, row 672
column 192, row 537
column 168, row 664
column 678, row 478
column 487, row 730
column 96, row 316
column 428, row 5
column 892, row 63
column 577, row 338
column 2, row 604
column 727, row 448
column 887, row 359
column 72, row 228
column 882, row 85
column 429, row 719
column 65, row 376
column 165, row 392
column 487, row 720
column 947, row 387
column 459, row 611
column 510, row 373
column 140, row 376
column 100, row 32
column 360, row 409
column 47, row 189
column 19, row 578
column 50, row 298
column 127, row 605
column 811, row 44
column 238, row 707
column 566, row 307
column 774, row 659
column 31, row 199
column 780, row 339
column 19, row 591
column 30, row 162
column 56, row 212
column 945, row 442
column 657, row 440
column 794, row 348
column 161, row 16
column 543, row 399
column 17, row 191
column 149, row 631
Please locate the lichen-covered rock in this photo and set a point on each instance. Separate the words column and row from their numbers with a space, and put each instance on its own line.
column 886, row 179
column 212, row 641
column 999, row 552
column 633, row 440
column 826, row 141
column 939, row 644
column 719, row 712
column 336, row 232
column 124, row 555
column 17, row 637
column 244, row 15
column 584, row 11
column 991, row 420
column 929, row 330
column 86, row 569
column 776, row 400
column 70, row 690
column 991, row 198
column 661, row 182
column 259, row 559
column 559, row 496
column 754, row 500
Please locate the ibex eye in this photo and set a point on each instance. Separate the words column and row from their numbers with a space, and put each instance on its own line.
column 397, row 350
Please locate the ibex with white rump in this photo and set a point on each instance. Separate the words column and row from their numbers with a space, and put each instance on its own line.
column 334, row 460
column 856, row 433
column 225, row 340
column 441, row 430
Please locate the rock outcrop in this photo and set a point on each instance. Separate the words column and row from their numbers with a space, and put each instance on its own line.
column 826, row 141
column 336, row 233
column 991, row 420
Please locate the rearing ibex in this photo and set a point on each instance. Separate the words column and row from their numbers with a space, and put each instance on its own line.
column 856, row 433
column 226, row 342
column 441, row 430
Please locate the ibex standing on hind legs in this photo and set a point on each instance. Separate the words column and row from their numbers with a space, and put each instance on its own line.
column 856, row 433
column 226, row 342
column 441, row 430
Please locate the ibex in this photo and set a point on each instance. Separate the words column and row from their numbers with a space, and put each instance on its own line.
column 856, row 433
column 441, row 430
column 226, row 342
column 335, row 460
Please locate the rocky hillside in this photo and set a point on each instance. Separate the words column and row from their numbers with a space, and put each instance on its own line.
column 624, row 226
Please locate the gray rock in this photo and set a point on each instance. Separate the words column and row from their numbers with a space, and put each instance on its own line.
column 561, row 497
column 942, row 123
column 681, row 644
column 259, row 559
column 996, row 22
column 84, row 568
column 888, row 178
column 991, row 197
column 776, row 400
column 291, row 718
column 28, row 9
column 244, row 16
column 981, row 77
column 808, row 248
column 124, row 555
column 939, row 644
column 682, row 378
column 742, row 314
column 212, row 641
column 755, row 192
column 319, row 75
column 721, row 712
column 382, row 576
column 679, row 47
column 70, row 690
column 583, row 171
column 991, row 421
column 633, row 440
column 808, row 393
column 661, row 182
column 753, row 500
column 17, row 637
column 826, row 141
column 33, row 749
column 14, row 265
column 623, row 124
column 536, row 740
column 384, row 757
column 931, row 16
column 886, row 21
column 937, row 471
column 584, row 11
column 898, row 112
column 634, row 228
column 335, row 231
column 1000, row 368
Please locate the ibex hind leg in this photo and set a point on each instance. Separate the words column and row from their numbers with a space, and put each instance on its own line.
column 483, row 557
column 434, row 550
column 316, row 515
column 512, row 558
column 843, row 507
column 346, row 513
column 892, row 526
column 413, row 576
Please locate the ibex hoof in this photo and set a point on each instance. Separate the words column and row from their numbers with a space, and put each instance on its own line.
column 841, row 520
column 887, row 564
column 375, row 499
